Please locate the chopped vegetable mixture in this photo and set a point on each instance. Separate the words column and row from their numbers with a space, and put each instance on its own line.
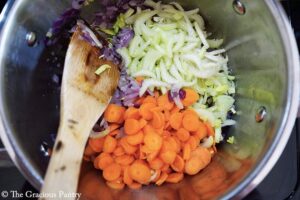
column 173, row 97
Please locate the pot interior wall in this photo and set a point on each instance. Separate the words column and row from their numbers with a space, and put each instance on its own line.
column 30, row 78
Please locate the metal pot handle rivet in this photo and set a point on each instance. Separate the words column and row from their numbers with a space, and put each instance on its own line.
column 260, row 114
column 239, row 7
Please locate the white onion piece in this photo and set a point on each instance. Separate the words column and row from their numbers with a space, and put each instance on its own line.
column 96, row 135
column 207, row 142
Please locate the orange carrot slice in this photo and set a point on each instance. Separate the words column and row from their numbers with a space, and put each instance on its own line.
column 174, row 177
column 113, row 113
column 145, row 110
column 164, row 102
column 150, row 99
column 112, row 172
column 168, row 156
column 142, row 123
column 129, row 149
column 104, row 161
column 115, row 185
column 132, row 113
column 96, row 144
column 124, row 159
column 201, row 132
column 135, row 186
column 190, row 122
column 157, row 120
column 178, row 164
column 126, row 177
column 131, row 126
column 140, row 172
column 191, row 97
column 110, row 144
column 119, row 151
column 186, row 151
column 182, row 134
column 163, row 177
column 156, row 163
column 153, row 141
column 176, row 120
column 136, row 138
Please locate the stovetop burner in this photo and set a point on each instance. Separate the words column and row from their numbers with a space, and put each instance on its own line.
column 281, row 183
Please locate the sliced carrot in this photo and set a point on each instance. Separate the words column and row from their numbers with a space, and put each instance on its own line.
column 132, row 113
column 126, row 177
column 168, row 156
column 148, row 128
column 193, row 142
column 163, row 177
column 182, row 134
column 156, row 163
column 146, row 110
column 201, row 132
column 139, row 101
column 113, row 113
column 140, row 172
column 145, row 149
column 96, row 144
column 164, row 102
column 113, row 126
column 166, row 168
column 119, row 151
column 200, row 158
column 190, row 122
column 131, row 126
column 139, row 79
column 104, row 161
column 174, row 177
column 96, row 161
column 140, row 154
column 189, row 111
column 157, row 173
column 110, row 144
column 142, row 123
column 151, row 156
column 159, row 131
column 191, row 97
column 150, row 99
column 186, row 151
column 88, row 151
column 129, row 149
column 157, row 120
column 176, row 120
column 124, row 159
column 114, row 133
column 169, row 144
column 167, row 126
column 175, row 109
column 135, row 186
column 178, row 164
column 136, row 138
column 115, row 185
column 166, row 134
column 112, row 172
column 167, row 115
column 153, row 141
column 210, row 130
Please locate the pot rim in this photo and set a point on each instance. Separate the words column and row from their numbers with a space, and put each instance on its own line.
column 264, row 165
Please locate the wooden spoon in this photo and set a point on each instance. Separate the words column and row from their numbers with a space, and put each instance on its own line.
column 84, row 97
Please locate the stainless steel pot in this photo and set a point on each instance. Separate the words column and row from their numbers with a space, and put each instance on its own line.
column 263, row 55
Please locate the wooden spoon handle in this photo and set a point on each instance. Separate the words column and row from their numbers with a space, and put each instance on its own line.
column 75, row 124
